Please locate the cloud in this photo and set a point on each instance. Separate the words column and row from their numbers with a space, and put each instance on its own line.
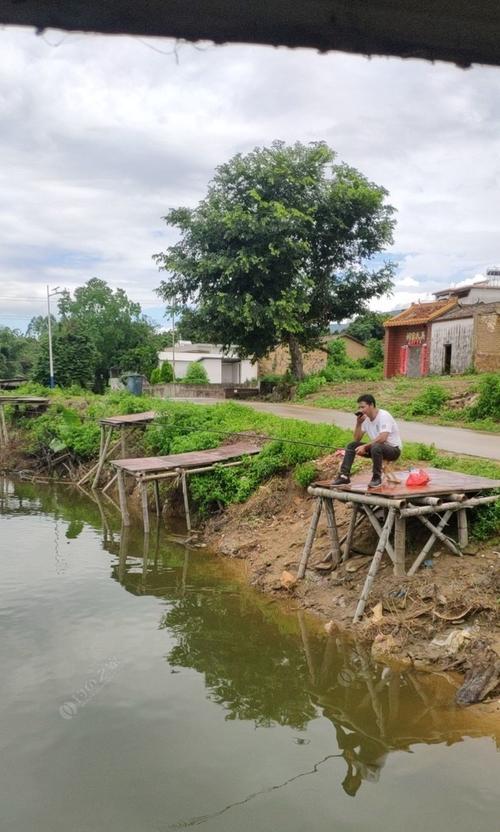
column 101, row 136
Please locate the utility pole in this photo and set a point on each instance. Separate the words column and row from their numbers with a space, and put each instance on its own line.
column 52, row 381
column 173, row 348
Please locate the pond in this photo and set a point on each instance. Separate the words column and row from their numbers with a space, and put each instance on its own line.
column 147, row 688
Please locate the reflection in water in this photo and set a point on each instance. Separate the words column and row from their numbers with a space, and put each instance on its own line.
column 231, row 639
column 258, row 663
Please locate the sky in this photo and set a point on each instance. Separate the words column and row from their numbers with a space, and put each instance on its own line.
column 101, row 136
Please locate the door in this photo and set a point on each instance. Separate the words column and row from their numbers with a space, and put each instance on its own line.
column 414, row 369
column 447, row 360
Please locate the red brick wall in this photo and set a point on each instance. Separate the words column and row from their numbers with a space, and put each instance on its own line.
column 395, row 338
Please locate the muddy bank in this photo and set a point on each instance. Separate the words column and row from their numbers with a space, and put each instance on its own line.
column 445, row 618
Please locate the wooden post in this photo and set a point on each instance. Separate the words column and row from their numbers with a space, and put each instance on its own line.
column 143, row 488
column 332, row 528
column 436, row 530
column 399, row 546
column 123, row 497
column 463, row 532
column 102, row 457
column 186, row 500
column 350, row 532
column 4, row 436
column 310, row 539
column 374, row 564
column 123, row 442
column 157, row 496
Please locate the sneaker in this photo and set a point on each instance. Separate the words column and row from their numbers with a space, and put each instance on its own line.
column 375, row 482
column 342, row 479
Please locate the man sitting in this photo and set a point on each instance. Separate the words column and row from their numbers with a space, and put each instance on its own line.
column 385, row 441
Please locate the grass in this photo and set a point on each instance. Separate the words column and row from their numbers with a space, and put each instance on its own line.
column 71, row 422
column 418, row 399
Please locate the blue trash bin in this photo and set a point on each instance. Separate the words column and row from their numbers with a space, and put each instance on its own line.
column 134, row 383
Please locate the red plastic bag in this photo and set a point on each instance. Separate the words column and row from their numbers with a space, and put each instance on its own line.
column 418, row 477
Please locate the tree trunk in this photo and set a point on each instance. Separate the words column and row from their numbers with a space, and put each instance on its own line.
column 296, row 364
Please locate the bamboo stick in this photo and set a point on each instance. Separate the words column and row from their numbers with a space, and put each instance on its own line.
column 109, row 484
column 353, row 497
column 463, row 531
column 144, row 500
column 332, row 528
column 353, row 523
column 310, row 539
column 123, row 498
column 469, row 503
column 428, row 546
column 378, row 528
column 374, row 565
column 157, row 497
column 94, row 467
column 186, row 500
column 399, row 546
column 438, row 533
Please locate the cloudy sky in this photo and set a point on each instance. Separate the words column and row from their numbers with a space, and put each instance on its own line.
column 100, row 136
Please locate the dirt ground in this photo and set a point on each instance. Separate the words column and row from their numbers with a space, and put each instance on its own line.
column 446, row 617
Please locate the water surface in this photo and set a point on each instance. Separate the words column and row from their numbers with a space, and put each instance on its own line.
column 146, row 688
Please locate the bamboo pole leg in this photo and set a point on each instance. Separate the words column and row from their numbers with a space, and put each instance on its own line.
column 123, row 498
column 428, row 546
column 306, row 646
column 123, row 442
column 102, row 458
column 186, row 500
column 436, row 530
column 144, row 500
column 332, row 528
column 350, row 532
column 463, row 531
column 372, row 517
column 375, row 564
column 310, row 539
column 109, row 484
column 399, row 546
column 157, row 497
column 122, row 562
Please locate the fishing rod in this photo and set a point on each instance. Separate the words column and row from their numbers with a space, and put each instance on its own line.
column 263, row 436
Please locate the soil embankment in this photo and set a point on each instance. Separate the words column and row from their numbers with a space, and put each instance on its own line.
column 445, row 618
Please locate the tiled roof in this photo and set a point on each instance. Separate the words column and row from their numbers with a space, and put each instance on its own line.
column 468, row 310
column 421, row 313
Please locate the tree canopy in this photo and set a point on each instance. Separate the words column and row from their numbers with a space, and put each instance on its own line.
column 121, row 335
column 368, row 325
column 280, row 247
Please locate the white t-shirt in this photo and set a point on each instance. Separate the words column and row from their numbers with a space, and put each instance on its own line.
column 383, row 422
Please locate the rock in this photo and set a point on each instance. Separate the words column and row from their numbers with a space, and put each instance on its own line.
column 330, row 627
column 287, row 580
column 378, row 613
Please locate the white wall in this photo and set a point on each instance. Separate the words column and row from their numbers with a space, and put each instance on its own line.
column 213, row 368
column 458, row 333
column 248, row 371
column 486, row 295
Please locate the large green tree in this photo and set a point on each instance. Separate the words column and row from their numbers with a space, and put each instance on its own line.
column 17, row 353
column 74, row 353
column 280, row 247
column 122, row 336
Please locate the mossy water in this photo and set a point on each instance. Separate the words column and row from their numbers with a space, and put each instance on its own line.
column 147, row 688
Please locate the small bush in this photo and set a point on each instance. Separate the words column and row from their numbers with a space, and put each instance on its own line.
column 305, row 473
column 486, row 521
column 166, row 373
column 310, row 385
column 427, row 403
column 196, row 374
column 488, row 403
column 426, row 452
column 155, row 376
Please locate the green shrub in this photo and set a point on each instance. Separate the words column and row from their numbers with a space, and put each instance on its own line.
column 155, row 376
column 196, row 374
column 427, row 403
column 486, row 521
column 488, row 402
column 426, row 452
column 310, row 385
column 199, row 441
column 305, row 473
column 166, row 373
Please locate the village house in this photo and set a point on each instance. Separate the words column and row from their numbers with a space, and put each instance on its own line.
column 278, row 360
column 222, row 367
column 458, row 331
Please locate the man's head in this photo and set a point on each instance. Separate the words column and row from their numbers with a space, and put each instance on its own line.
column 367, row 406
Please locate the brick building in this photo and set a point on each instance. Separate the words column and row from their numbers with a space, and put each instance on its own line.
column 408, row 338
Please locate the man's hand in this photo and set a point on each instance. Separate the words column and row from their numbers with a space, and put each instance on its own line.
column 361, row 450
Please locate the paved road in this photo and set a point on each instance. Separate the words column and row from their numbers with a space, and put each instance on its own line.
column 455, row 440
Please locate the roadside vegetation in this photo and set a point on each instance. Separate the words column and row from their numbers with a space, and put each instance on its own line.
column 71, row 427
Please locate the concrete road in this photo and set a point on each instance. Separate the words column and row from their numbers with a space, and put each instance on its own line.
column 454, row 440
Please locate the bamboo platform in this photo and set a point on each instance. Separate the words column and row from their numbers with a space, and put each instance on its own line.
column 123, row 425
column 156, row 468
column 32, row 403
column 447, row 493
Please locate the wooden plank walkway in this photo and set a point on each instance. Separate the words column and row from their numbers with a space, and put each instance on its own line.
column 447, row 493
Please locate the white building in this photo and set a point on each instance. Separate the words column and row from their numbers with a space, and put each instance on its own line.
column 485, row 291
column 221, row 367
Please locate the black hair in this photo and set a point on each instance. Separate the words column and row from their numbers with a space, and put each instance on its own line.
column 367, row 398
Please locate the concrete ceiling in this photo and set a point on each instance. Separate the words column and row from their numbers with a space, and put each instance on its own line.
column 461, row 31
